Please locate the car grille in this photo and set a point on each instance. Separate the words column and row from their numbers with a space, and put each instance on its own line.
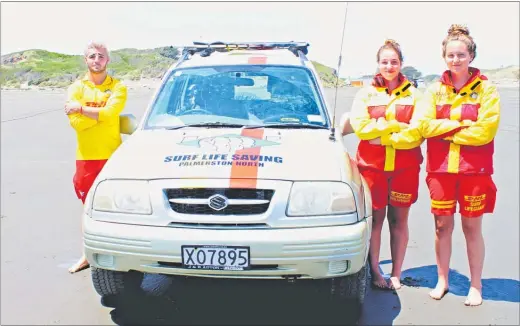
column 195, row 200
column 213, row 226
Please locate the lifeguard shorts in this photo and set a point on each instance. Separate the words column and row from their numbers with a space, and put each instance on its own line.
column 396, row 188
column 86, row 173
column 476, row 194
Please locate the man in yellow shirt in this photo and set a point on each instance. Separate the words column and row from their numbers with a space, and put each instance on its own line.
column 93, row 106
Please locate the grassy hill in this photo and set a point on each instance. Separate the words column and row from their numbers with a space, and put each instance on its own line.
column 327, row 75
column 505, row 73
column 49, row 69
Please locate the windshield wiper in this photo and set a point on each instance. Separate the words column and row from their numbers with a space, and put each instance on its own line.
column 287, row 125
column 208, row 124
column 236, row 125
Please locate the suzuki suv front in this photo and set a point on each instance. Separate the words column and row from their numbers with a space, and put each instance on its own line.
column 234, row 172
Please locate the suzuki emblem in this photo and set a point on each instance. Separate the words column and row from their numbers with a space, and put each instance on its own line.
column 217, row 202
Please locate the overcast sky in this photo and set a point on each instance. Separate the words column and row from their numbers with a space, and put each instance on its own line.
column 418, row 27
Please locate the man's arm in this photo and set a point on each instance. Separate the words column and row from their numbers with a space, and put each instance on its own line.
column 73, row 108
column 113, row 108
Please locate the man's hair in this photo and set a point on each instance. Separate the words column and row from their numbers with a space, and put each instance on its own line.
column 96, row 45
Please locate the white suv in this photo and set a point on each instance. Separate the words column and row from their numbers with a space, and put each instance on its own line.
column 235, row 171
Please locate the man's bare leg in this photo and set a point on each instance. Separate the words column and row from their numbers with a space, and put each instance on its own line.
column 443, row 233
column 398, row 223
column 472, row 227
column 80, row 265
column 378, row 217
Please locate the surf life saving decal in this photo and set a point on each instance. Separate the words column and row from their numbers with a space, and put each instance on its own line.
column 227, row 150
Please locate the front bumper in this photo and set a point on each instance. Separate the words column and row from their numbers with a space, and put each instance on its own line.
column 307, row 253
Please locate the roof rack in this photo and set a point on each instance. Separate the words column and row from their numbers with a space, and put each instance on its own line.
column 206, row 49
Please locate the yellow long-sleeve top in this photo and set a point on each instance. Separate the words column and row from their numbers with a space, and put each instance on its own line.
column 378, row 113
column 460, row 125
column 97, row 139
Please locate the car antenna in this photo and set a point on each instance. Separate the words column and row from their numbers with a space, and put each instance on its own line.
column 333, row 129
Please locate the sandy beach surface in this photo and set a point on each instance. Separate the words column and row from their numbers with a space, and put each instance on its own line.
column 41, row 238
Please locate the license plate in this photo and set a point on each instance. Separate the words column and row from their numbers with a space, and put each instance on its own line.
column 215, row 257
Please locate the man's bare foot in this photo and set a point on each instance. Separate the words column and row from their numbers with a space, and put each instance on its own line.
column 440, row 291
column 79, row 266
column 378, row 281
column 395, row 283
column 474, row 297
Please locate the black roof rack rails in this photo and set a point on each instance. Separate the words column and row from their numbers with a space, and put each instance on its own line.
column 206, row 49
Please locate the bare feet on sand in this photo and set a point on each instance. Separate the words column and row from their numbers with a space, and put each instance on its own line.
column 79, row 266
column 379, row 282
column 395, row 283
column 440, row 291
column 474, row 297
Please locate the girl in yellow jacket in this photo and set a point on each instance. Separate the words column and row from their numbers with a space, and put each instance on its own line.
column 389, row 154
column 460, row 116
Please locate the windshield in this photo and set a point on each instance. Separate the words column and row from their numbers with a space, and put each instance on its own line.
column 238, row 95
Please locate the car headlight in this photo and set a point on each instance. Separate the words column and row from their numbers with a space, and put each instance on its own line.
column 321, row 198
column 123, row 196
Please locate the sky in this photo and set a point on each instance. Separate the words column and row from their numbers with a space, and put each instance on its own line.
column 419, row 27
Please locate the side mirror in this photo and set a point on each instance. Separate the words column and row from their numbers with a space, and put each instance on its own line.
column 127, row 124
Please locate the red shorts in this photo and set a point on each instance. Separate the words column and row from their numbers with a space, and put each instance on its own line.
column 398, row 188
column 476, row 194
column 86, row 172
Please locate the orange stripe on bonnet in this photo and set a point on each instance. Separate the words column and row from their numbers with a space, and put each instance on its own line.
column 244, row 176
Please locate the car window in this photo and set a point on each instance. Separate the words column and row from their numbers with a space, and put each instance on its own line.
column 246, row 95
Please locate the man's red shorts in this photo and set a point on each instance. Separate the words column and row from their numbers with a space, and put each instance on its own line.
column 86, row 173
column 476, row 194
column 397, row 188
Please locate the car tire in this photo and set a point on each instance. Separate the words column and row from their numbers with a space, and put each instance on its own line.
column 107, row 282
column 351, row 289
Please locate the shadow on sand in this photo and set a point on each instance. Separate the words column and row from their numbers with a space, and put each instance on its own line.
column 494, row 289
column 164, row 300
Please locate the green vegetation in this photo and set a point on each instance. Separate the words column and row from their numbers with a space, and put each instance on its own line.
column 49, row 69
column 503, row 74
column 431, row 78
column 328, row 75
column 510, row 72
column 411, row 73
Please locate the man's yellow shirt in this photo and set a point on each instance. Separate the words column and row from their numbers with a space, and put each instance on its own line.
column 97, row 139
